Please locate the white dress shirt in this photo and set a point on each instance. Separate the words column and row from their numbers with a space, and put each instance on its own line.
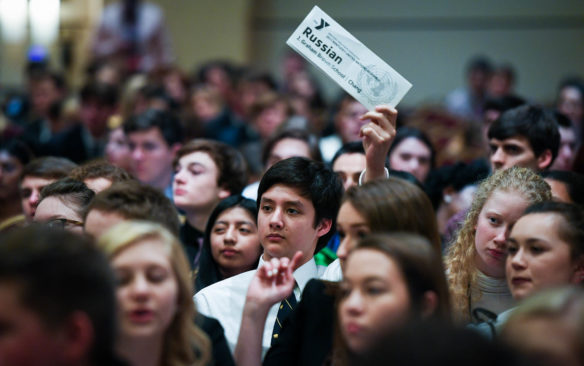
column 224, row 301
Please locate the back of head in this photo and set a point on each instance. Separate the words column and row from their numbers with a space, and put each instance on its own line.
column 314, row 181
column 231, row 165
column 58, row 274
column 136, row 201
column 17, row 149
column 420, row 264
column 100, row 169
column 168, row 124
column 394, row 204
column 48, row 167
column 536, row 124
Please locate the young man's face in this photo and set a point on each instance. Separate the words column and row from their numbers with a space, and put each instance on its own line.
column 151, row 157
column 286, row 224
column 515, row 151
column 24, row 338
column 30, row 193
column 195, row 183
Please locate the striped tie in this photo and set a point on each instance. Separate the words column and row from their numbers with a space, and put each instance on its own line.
column 286, row 307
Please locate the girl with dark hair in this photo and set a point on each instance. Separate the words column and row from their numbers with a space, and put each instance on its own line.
column 412, row 152
column 231, row 244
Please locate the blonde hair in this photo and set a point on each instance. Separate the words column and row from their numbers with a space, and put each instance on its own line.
column 460, row 258
column 184, row 342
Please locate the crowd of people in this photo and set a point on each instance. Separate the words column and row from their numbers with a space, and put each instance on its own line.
column 231, row 216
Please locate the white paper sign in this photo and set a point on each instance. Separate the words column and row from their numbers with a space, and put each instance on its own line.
column 347, row 61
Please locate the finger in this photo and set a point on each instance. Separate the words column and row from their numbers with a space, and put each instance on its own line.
column 389, row 112
column 295, row 263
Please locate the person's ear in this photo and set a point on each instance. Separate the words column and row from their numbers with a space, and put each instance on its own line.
column 223, row 193
column 78, row 336
column 578, row 275
column 544, row 160
column 324, row 226
column 429, row 304
column 174, row 149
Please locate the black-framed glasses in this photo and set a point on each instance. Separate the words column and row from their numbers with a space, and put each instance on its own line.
column 62, row 223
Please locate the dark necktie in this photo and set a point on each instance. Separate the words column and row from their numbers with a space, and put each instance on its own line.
column 286, row 307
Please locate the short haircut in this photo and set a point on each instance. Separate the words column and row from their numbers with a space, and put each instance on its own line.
column 168, row 124
column 314, row 181
column 573, row 181
column 103, row 94
column 296, row 134
column 17, row 149
column 136, row 201
column 48, row 168
column 354, row 147
column 58, row 273
column 71, row 191
column 504, row 103
column 231, row 165
column 407, row 132
column 571, row 225
column 538, row 125
column 267, row 100
column 100, row 169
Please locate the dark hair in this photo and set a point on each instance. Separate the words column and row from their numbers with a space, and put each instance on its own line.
column 100, row 169
column 479, row 63
column 538, row 125
column 48, row 168
column 17, row 149
column 571, row 226
column 407, row 132
column 71, row 191
column 168, row 124
column 293, row 133
column 573, row 181
column 504, row 103
column 354, row 147
column 134, row 200
column 314, row 181
column 231, row 166
column 209, row 272
column 103, row 94
column 59, row 273
column 563, row 120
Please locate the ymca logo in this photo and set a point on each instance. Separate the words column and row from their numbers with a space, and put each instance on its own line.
column 322, row 24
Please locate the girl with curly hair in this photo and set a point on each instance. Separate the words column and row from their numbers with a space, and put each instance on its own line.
column 475, row 262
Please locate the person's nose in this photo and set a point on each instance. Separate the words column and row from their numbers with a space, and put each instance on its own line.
column 137, row 154
column 498, row 159
column 33, row 199
column 501, row 237
column 277, row 219
column 354, row 302
column 518, row 260
column 230, row 236
column 140, row 287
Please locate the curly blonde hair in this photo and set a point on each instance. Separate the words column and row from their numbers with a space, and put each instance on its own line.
column 185, row 344
column 460, row 258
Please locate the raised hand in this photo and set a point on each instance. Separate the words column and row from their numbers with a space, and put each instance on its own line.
column 377, row 137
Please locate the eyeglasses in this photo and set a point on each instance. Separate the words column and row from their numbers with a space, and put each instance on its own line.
column 62, row 223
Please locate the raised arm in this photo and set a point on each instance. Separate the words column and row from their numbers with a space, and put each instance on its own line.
column 377, row 137
column 272, row 283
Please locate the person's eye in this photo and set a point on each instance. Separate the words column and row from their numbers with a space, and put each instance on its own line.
column 132, row 146
column 244, row 230
column 493, row 148
column 8, row 168
column 536, row 249
column 374, row 290
column 156, row 274
column 341, row 234
column 292, row 211
column 493, row 220
column 123, row 278
column 25, row 193
column 218, row 230
column 150, row 146
column 344, row 291
column 405, row 157
column 361, row 234
column 266, row 208
column 512, row 149
column 511, row 249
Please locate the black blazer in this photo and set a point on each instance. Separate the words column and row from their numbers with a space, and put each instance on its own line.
column 307, row 334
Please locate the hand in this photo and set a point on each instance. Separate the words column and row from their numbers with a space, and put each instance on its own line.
column 273, row 282
column 377, row 137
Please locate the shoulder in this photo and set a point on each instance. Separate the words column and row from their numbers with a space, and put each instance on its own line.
column 333, row 272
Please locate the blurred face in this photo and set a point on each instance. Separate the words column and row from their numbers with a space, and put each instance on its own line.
column 117, row 150
column 567, row 151
column 286, row 224
column 270, row 119
column 571, row 104
column 10, row 170
column 348, row 122
column 514, row 151
column 94, row 116
column 25, row 340
column 147, row 291
column 559, row 190
column 351, row 226
column 195, row 183
column 98, row 222
column 206, row 106
column 287, row 148
column 538, row 257
column 151, row 157
column 30, row 192
column 43, row 94
column 412, row 156
column 498, row 214
column 235, row 244
column 57, row 212
column 349, row 168
column 375, row 299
